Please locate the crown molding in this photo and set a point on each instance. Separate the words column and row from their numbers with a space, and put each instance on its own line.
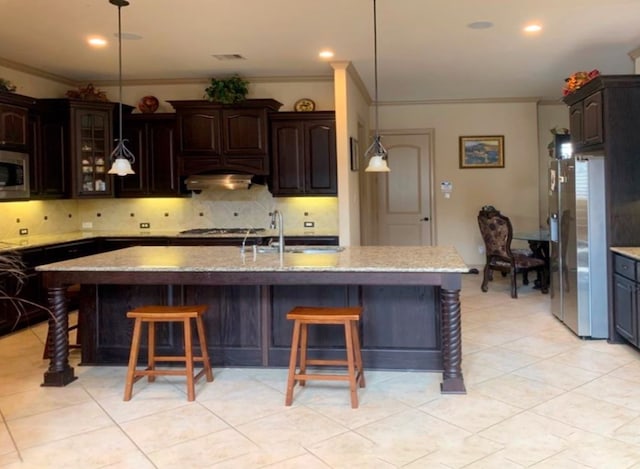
column 206, row 80
column 19, row 67
column 525, row 99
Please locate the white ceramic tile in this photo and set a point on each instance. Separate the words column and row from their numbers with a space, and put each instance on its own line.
column 173, row 426
column 516, row 356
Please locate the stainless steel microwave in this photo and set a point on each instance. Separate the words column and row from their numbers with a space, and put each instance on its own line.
column 14, row 175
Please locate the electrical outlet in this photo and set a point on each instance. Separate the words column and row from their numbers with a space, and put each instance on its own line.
column 309, row 224
column 480, row 249
column 87, row 225
column 145, row 225
column 24, row 231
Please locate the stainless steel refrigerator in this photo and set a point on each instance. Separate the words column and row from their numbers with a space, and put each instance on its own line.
column 578, row 254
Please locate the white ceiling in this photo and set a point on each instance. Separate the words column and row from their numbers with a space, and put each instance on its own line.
column 425, row 49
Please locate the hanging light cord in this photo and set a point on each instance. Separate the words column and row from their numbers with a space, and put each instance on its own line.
column 376, row 148
column 120, row 151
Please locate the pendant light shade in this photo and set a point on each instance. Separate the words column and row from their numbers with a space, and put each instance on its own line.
column 376, row 153
column 121, row 157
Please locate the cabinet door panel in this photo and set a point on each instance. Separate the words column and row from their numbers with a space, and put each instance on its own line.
column 592, row 127
column 625, row 308
column 244, row 131
column 200, row 133
column 321, row 158
column 162, row 161
column 288, row 158
column 575, row 123
column 13, row 126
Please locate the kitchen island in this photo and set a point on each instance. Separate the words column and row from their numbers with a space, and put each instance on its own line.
column 411, row 297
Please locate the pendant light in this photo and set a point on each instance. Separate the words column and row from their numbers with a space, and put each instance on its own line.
column 121, row 157
column 376, row 153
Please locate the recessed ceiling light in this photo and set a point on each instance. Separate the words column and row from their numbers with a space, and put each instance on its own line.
column 480, row 25
column 326, row 54
column 532, row 28
column 96, row 41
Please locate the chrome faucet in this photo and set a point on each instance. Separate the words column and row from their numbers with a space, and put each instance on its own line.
column 280, row 229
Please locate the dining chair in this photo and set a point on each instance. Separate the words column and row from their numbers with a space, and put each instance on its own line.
column 497, row 233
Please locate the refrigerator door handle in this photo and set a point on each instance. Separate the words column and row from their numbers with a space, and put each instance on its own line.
column 553, row 227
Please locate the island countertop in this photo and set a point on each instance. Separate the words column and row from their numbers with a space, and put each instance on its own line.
column 441, row 259
column 249, row 293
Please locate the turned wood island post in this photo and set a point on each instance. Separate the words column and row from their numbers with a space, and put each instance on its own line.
column 410, row 296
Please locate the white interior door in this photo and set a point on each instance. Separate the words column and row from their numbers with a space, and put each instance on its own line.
column 405, row 194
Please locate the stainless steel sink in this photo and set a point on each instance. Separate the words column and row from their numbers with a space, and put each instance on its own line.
column 302, row 249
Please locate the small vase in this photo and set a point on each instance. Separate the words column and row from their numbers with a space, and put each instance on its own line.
column 148, row 104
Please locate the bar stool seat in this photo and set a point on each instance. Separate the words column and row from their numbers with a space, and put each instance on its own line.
column 152, row 315
column 348, row 317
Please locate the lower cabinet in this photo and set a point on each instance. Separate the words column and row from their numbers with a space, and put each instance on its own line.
column 625, row 297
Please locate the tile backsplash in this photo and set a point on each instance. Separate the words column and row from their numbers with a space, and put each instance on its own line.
column 220, row 208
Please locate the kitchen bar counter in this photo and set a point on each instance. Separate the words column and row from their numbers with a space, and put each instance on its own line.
column 438, row 269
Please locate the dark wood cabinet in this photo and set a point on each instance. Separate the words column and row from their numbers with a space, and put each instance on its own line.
column 50, row 175
column 151, row 138
column 80, row 131
column 14, row 121
column 303, row 154
column 605, row 118
column 216, row 137
column 625, row 298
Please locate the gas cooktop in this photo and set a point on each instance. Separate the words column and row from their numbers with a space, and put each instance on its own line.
column 219, row 231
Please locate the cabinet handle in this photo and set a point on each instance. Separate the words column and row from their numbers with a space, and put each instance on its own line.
column 424, row 219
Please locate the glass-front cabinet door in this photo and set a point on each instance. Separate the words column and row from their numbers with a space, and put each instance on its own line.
column 92, row 135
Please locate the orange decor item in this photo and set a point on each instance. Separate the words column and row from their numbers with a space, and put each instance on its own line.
column 577, row 80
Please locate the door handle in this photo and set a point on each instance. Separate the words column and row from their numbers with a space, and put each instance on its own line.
column 424, row 219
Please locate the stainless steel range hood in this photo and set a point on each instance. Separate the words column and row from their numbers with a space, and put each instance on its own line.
column 218, row 181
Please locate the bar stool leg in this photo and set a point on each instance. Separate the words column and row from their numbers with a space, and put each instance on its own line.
column 303, row 352
column 358, row 352
column 151, row 349
column 206, row 362
column 188, row 356
column 351, row 364
column 295, row 343
column 133, row 359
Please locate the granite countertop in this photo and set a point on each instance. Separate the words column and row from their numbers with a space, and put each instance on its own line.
column 230, row 259
column 32, row 241
column 633, row 252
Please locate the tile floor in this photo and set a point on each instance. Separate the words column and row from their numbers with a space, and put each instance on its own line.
column 537, row 397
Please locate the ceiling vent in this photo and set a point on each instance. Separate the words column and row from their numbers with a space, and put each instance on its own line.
column 228, row 57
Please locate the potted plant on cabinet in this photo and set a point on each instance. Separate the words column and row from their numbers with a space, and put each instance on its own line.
column 227, row 91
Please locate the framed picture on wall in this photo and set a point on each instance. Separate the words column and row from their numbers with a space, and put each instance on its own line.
column 485, row 151
column 355, row 157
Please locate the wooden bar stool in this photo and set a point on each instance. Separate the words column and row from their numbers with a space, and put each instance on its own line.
column 346, row 316
column 152, row 315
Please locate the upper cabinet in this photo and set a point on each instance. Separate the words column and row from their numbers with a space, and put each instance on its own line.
column 303, row 154
column 603, row 111
column 14, row 121
column 79, row 133
column 219, row 137
column 152, row 140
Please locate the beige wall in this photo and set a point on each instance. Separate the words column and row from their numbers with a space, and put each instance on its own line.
column 513, row 189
